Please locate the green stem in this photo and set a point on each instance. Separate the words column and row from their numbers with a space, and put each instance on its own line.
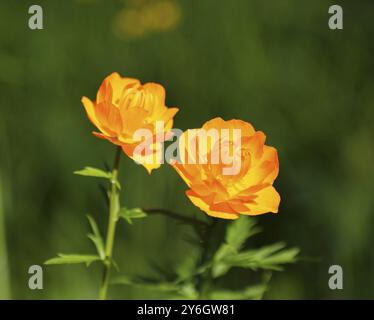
column 206, row 286
column 113, row 217
column 206, row 279
column 176, row 216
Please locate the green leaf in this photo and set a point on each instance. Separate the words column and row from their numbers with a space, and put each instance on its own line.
column 96, row 237
column 114, row 264
column 220, row 268
column 249, row 293
column 270, row 257
column 223, row 251
column 72, row 259
column 280, row 258
column 118, row 185
column 146, row 284
column 129, row 214
column 255, row 292
column 187, row 267
column 94, row 172
column 239, row 231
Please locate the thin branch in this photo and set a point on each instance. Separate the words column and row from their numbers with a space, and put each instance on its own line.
column 175, row 215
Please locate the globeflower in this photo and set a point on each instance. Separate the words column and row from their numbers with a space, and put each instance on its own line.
column 248, row 190
column 123, row 106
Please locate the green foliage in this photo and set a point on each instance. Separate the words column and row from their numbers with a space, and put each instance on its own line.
column 255, row 292
column 93, row 172
column 129, row 214
column 187, row 267
column 270, row 257
column 97, row 173
column 195, row 272
column 146, row 283
column 239, row 231
column 173, row 289
column 96, row 238
column 73, row 259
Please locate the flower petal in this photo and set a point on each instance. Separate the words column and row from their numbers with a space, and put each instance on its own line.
column 112, row 88
column 205, row 207
column 267, row 200
column 155, row 94
column 150, row 161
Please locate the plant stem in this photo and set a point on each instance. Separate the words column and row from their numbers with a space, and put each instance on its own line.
column 113, row 217
column 175, row 215
column 206, row 278
column 206, row 286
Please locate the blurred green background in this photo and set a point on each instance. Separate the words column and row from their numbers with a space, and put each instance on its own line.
column 273, row 63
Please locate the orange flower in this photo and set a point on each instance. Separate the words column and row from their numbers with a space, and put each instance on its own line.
column 124, row 105
column 249, row 189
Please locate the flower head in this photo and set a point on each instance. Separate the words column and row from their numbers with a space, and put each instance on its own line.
column 123, row 106
column 245, row 189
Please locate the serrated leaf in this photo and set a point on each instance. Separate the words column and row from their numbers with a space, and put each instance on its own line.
column 280, row 258
column 239, row 231
column 187, row 267
column 256, row 254
column 223, row 251
column 268, row 258
column 188, row 291
column 96, row 237
column 220, row 268
column 129, row 214
column 94, row 172
column 72, row 259
column 255, row 292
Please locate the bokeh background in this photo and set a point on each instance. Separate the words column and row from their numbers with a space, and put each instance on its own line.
column 274, row 63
